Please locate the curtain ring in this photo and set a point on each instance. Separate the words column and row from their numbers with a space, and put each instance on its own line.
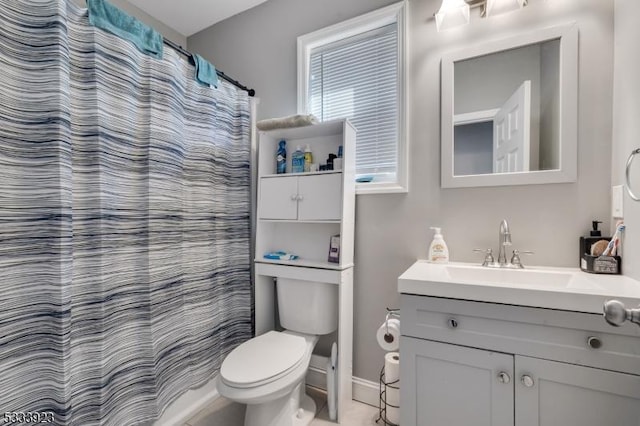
column 627, row 173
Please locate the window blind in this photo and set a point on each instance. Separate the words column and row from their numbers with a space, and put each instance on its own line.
column 357, row 78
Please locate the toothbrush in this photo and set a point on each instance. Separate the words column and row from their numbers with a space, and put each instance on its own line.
column 615, row 241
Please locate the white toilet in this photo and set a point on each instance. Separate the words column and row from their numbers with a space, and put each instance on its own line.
column 267, row 372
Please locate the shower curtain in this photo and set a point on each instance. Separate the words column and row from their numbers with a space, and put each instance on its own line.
column 124, row 222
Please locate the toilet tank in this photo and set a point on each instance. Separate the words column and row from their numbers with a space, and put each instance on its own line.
column 308, row 307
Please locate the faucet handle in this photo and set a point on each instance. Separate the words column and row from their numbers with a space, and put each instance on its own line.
column 515, row 259
column 488, row 257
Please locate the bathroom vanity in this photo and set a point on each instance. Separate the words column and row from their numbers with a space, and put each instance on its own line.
column 494, row 347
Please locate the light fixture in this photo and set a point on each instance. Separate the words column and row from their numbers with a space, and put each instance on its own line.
column 496, row 7
column 452, row 13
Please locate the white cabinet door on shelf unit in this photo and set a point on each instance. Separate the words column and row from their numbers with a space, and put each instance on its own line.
column 552, row 393
column 278, row 198
column 320, row 197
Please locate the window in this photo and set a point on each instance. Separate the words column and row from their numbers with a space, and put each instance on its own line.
column 356, row 70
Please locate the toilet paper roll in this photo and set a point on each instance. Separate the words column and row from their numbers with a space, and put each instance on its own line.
column 391, row 367
column 391, row 374
column 393, row 415
column 388, row 336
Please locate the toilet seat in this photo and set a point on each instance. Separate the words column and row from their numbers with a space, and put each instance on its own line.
column 263, row 359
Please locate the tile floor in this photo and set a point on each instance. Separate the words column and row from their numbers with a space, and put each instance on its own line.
column 226, row 413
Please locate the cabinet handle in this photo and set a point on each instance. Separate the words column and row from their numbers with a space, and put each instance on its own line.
column 594, row 342
column 504, row 377
column 453, row 323
column 527, row 381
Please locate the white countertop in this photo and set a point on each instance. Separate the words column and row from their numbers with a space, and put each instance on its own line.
column 554, row 288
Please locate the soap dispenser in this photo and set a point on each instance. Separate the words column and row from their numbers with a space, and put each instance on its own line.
column 438, row 250
column 595, row 235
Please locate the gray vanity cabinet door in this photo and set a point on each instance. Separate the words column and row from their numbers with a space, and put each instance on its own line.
column 449, row 385
column 570, row 395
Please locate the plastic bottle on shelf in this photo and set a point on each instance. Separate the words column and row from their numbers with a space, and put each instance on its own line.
column 438, row 250
column 297, row 160
column 281, row 157
column 308, row 159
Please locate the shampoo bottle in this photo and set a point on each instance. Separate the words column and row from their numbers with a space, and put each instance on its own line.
column 438, row 250
column 281, row 157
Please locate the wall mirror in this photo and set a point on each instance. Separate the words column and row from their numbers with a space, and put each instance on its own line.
column 509, row 111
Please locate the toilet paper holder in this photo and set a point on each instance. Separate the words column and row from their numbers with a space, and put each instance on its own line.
column 384, row 384
column 391, row 313
column 383, row 404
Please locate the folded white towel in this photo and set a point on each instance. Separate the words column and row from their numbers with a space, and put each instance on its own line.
column 286, row 122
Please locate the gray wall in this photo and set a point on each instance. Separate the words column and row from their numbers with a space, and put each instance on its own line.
column 132, row 10
column 473, row 149
column 486, row 82
column 392, row 230
column 550, row 106
column 626, row 132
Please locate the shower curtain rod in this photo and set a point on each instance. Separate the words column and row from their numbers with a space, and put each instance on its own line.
column 222, row 75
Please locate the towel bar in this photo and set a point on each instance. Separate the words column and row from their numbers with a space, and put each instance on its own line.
column 627, row 173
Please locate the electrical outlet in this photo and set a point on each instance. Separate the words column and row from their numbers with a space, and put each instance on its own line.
column 617, row 202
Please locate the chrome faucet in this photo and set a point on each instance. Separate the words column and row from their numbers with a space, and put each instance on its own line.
column 505, row 240
column 502, row 261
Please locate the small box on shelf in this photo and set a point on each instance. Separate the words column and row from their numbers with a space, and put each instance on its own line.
column 334, row 249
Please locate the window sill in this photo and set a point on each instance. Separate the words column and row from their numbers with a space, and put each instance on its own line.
column 380, row 188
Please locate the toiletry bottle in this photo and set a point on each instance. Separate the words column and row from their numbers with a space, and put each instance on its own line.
column 297, row 160
column 337, row 162
column 330, row 161
column 438, row 251
column 308, row 159
column 281, row 157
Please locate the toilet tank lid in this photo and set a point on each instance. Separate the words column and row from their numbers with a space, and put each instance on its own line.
column 262, row 358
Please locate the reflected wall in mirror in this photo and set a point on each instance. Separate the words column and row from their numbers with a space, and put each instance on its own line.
column 509, row 111
column 506, row 111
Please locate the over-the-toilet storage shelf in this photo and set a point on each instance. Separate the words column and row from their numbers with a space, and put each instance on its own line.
column 298, row 213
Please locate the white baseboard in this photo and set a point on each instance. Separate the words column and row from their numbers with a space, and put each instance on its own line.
column 364, row 391
column 189, row 404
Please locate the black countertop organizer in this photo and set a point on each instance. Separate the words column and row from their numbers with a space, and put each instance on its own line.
column 598, row 264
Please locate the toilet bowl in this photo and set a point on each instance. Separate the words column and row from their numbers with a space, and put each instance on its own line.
column 267, row 373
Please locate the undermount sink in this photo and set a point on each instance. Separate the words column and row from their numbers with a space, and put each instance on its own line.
column 546, row 287
column 497, row 276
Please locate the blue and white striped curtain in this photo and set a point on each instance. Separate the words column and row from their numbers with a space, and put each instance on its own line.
column 124, row 221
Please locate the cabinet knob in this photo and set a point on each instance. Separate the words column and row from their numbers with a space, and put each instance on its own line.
column 504, row 377
column 452, row 322
column 594, row 342
column 527, row 381
column 300, row 198
column 294, row 197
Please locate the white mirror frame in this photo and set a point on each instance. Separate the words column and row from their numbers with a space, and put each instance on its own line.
column 568, row 172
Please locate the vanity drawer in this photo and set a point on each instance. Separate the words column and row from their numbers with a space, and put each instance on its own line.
column 572, row 337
